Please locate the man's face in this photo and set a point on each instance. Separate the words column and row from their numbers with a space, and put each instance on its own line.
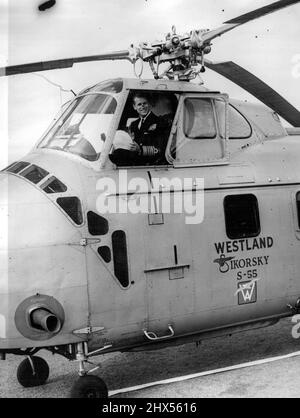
column 142, row 106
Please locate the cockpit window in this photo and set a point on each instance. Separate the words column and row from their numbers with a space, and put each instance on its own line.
column 17, row 167
column 97, row 225
column 72, row 207
column 83, row 130
column 239, row 127
column 109, row 86
column 8, row 167
column 53, row 185
column 199, row 120
column 34, row 174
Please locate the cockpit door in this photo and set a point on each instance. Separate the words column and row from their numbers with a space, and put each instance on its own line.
column 196, row 136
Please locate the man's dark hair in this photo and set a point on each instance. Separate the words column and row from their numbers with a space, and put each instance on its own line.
column 142, row 95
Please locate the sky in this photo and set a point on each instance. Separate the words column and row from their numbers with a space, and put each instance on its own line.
column 269, row 47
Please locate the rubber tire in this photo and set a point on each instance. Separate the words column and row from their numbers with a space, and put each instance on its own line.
column 25, row 374
column 89, row 387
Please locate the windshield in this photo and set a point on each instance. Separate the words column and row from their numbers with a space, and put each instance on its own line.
column 82, row 130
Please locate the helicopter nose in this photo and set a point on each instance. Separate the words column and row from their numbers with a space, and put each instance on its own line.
column 42, row 264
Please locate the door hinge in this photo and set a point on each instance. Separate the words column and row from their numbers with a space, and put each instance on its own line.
column 88, row 330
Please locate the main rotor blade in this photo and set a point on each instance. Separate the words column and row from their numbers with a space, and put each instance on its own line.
column 240, row 20
column 61, row 63
column 258, row 89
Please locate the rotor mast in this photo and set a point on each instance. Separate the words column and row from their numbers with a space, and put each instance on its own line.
column 182, row 52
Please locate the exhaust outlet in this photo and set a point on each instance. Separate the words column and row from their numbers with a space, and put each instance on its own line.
column 39, row 317
column 45, row 320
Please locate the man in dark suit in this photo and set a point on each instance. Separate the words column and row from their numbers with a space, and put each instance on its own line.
column 149, row 136
column 147, row 133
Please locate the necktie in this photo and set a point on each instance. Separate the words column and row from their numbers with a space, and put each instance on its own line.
column 141, row 123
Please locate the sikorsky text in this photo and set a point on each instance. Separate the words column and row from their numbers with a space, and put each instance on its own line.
column 227, row 261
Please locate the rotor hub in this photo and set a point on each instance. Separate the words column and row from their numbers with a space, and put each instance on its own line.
column 183, row 53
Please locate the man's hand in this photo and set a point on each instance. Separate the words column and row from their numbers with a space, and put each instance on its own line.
column 134, row 147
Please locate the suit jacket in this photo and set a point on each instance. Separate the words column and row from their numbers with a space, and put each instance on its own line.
column 150, row 137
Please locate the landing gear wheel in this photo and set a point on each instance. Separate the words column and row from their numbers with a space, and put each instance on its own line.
column 29, row 376
column 89, row 387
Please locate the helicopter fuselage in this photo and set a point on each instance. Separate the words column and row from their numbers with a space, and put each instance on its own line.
column 133, row 278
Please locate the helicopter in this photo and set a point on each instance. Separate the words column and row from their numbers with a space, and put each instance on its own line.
column 142, row 257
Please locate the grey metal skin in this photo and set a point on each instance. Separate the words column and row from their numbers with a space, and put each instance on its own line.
column 171, row 298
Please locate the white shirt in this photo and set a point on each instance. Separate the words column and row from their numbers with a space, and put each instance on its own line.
column 143, row 120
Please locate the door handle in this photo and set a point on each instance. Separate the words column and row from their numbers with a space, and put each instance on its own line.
column 88, row 241
column 153, row 337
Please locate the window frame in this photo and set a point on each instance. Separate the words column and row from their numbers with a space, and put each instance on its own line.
column 30, row 169
column 56, row 125
column 126, row 102
column 177, row 133
column 114, row 261
column 257, row 216
column 8, row 169
column 47, row 183
column 92, row 215
column 211, row 100
column 62, row 196
column 234, row 138
column 296, row 212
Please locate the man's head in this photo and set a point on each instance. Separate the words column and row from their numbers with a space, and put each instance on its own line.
column 141, row 104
